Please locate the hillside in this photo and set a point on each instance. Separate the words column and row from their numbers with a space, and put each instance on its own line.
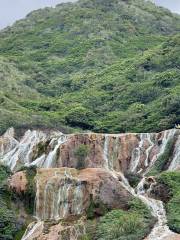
column 105, row 66
column 89, row 186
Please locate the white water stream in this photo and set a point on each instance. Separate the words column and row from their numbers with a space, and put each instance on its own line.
column 160, row 229
column 33, row 230
column 56, row 204
column 61, row 196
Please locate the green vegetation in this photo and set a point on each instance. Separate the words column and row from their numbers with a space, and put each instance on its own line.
column 172, row 181
column 133, row 179
column 133, row 224
column 9, row 225
column 28, row 197
column 96, row 209
column 106, row 66
column 81, row 153
column 163, row 160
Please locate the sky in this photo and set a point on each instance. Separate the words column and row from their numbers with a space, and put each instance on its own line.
column 12, row 10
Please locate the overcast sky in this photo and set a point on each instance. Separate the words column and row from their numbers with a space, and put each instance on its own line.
column 12, row 10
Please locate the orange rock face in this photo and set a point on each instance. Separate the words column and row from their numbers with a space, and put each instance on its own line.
column 72, row 230
column 120, row 152
column 62, row 192
column 18, row 182
column 69, row 184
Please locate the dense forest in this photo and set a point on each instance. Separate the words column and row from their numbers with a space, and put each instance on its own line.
column 99, row 65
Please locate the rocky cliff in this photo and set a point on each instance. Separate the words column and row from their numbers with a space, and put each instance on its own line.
column 86, row 175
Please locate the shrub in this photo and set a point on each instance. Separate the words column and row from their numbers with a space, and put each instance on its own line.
column 8, row 219
column 133, row 224
column 162, row 162
column 81, row 153
column 28, row 197
column 95, row 207
column 172, row 180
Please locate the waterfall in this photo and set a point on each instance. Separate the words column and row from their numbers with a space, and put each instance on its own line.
column 168, row 134
column 78, row 197
column 161, row 229
column 137, row 152
column 49, row 160
column 175, row 163
column 52, row 156
column 23, row 151
column 7, row 142
column 62, row 195
column 148, row 150
column 33, row 230
column 105, row 152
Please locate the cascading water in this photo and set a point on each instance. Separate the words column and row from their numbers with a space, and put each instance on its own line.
column 8, row 142
column 145, row 138
column 52, row 156
column 62, row 195
column 160, row 230
column 148, row 150
column 168, row 135
column 176, row 156
column 106, row 157
column 49, row 160
column 136, row 154
column 23, row 151
column 32, row 230
column 57, row 198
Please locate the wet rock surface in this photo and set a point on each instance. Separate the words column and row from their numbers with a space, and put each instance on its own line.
column 65, row 191
column 85, row 175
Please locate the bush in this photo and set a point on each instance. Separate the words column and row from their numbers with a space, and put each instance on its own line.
column 81, row 153
column 8, row 219
column 96, row 209
column 134, row 224
column 133, row 179
column 162, row 162
column 79, row 117
column 172, row 180
column 28, row 197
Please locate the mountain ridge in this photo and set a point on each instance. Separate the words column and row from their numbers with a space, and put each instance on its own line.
column 79, row 56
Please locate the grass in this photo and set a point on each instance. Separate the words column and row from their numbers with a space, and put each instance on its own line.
column 133, row 224
column 163, row 160
column 172, row 180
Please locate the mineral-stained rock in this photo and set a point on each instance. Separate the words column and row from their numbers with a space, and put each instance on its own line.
column 83, row 174
column 7, row 141
column 66, row 191
column 120, row 152
column 72, row 230
column 18, row 182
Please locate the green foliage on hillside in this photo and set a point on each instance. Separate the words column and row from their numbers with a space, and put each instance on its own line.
column 81, row 153
column 8, row 226
column 106, row 66
column 28, row 197
column 12, row 220
column 161, row 163
column 134, row 224
column 172, row 180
